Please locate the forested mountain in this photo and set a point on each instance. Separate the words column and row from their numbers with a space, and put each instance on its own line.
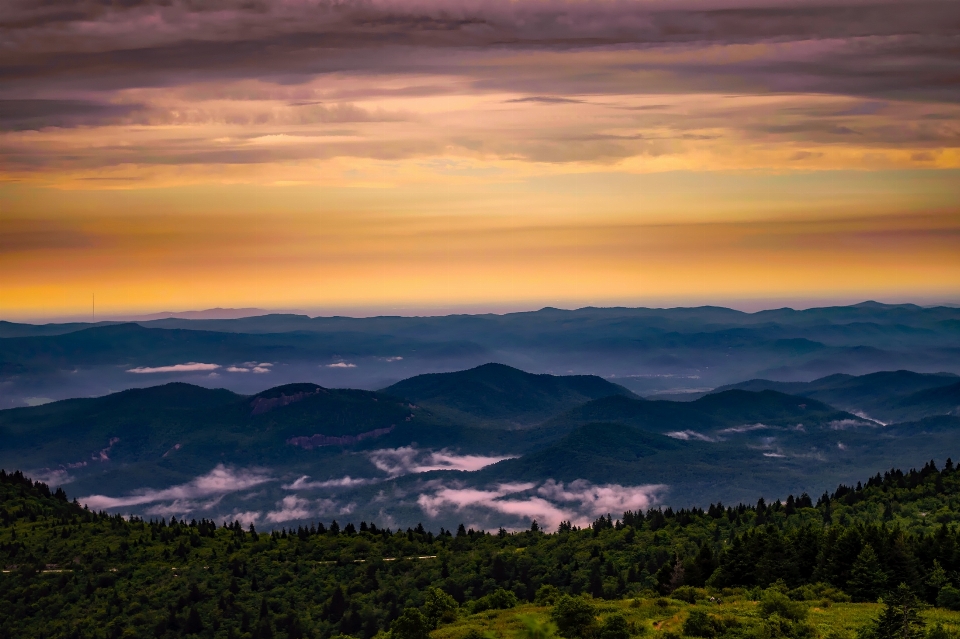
column 72, row 572
column 890, row 396
column 299, row 451
column 499, row 395
column 646, row 350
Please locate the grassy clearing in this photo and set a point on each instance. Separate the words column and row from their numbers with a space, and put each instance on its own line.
column 654, row 616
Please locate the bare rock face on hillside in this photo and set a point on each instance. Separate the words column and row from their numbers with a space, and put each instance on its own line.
column 316, row 441
column 262, row 405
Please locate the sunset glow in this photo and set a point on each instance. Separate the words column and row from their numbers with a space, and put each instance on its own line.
column 326, row 155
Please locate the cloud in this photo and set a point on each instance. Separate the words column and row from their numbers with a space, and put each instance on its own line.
column 220, row 481
column 292, row 507
column 599, row 500
column 863, row 415
column 54, row 477
column 302, row 483
column 270, row 76
column 408, row 459
column 580, row 502
column 744, row 429
column 189, row 367
column 687, row 435
column 545, row 100
column 843, row 424
column 33, row 114
column 341, row 365
column 251, row 367
column 246, row 517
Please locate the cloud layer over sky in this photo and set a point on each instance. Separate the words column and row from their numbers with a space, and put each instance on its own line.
column 358, row 149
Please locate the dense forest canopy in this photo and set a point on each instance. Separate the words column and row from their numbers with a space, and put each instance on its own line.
column 71, row 572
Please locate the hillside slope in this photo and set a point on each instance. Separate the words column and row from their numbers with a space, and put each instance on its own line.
column 888, row 396
column 499, row 395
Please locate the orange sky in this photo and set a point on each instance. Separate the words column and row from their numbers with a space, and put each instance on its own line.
column 167, row 158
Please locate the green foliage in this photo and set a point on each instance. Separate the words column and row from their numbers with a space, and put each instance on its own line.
column 576, row 618
column 939, row 632
column 499, row 599
column 867, row 578
column 411, row 624
column 901, row 617
column 167, row 579
column 439, row 607
column 615, row 626
column 688, row 594
column 536, row 628
column 949, row 597
column 699, row 624
column 774, row 602
column 547, row 595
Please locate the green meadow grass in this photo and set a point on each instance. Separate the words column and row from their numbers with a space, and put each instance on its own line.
column 653, row 616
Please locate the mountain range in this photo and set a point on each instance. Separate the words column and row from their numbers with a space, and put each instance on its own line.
column 670, row 353
column 491, row 445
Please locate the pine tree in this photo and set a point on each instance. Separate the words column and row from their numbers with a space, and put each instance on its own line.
column 867, row 578
column 901, row 617
column 194, row 624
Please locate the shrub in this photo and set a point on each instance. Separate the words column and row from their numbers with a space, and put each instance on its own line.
column 774, row 602
column 411, row 624
column 699, row 624
column 547, row 595
column 575, row 617
column 687, row 593
column 949, row 598
column 939, row 632
column 500, row 599
column 615, row 627
column 534, row 628
column 439, row 607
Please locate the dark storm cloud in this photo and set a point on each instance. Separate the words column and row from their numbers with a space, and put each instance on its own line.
column 20, row 115
column 865, row 48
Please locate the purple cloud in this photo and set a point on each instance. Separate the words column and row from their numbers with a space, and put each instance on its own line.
column 218, row 482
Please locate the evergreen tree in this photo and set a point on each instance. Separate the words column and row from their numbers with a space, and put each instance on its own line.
column 867, row 578
column 901, row 617
column 194, row 624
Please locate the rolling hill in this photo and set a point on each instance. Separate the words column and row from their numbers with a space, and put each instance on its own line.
column 888, row 396
column 425, row 445
column 499, row 395
column 649, row 351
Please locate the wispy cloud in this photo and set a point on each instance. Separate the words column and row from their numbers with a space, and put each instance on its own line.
column 245, row 517
column 688, row 435
column 251, row 367
column 220, row 481
column 544, row 100
column 341, row 365
column 304, row 483
column 409, row 459
column 550, row 503
column 844, row 424
column 292, row 507
column 744, row 429
column 189, row 367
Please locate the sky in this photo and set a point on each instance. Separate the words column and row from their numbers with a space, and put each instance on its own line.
column 384, row 154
